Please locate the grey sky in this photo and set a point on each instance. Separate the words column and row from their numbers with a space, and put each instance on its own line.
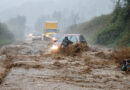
column 33, row 9
column 6, row 4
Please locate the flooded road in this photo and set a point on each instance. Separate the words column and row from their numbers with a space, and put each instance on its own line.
column 30, row 66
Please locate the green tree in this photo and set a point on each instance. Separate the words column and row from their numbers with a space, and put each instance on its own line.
column 118, row 30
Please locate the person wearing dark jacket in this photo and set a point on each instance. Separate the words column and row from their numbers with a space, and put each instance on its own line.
column 66, row 42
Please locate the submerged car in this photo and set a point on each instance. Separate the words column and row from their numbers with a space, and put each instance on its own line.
column 35, row 36
column 74, row 38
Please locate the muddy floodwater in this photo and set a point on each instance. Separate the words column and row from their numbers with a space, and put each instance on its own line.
column 30, row 65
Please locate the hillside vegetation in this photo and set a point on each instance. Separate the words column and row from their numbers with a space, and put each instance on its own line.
column 91, row 28
column 109, row 30
column 117, row 33
column 6, row 36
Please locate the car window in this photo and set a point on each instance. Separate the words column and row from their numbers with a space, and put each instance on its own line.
column 36, row 34
column 82, row 38
column 61, row 39
column 73, row 38
column 53, row 35
column 69, row 37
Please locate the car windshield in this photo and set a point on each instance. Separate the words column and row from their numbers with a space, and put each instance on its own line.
column 73, row 38
column 61, row 39
column 52, row 30
column 53, row 35
column 70, row 37
column 36, row 34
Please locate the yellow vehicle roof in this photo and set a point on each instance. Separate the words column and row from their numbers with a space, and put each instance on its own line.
column 51, row 25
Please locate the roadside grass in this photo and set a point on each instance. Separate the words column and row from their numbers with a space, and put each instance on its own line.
column 5, row 42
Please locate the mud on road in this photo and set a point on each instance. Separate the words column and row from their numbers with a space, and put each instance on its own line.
column 29, row 66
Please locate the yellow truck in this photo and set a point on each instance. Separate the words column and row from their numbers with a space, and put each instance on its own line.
column 51, row 29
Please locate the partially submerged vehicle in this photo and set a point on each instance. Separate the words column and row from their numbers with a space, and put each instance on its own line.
column 51, row 30
column 35, row 36
column 54, row 37
column 74, row 38
column 126, row 65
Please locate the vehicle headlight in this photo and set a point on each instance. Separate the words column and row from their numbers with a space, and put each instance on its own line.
column 47, row 35
column 30, row 35
column 54, row 39
column 54, row 47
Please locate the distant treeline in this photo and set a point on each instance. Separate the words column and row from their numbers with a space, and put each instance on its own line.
column 6, row 36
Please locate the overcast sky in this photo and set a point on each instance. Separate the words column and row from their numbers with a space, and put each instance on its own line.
column 33, row 9
column 6, row 4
